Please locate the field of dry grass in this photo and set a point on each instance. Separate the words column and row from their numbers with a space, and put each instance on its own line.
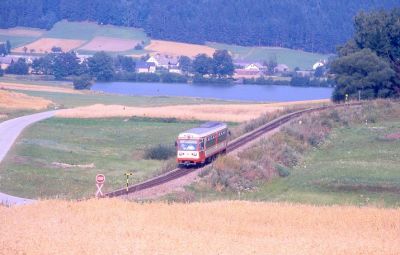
column 120, row 227
column 44, row 45
column 101, row 43
column 21, row 32
column 28, row 87
column 179, row 49
column 15, row 100
column 225, row 112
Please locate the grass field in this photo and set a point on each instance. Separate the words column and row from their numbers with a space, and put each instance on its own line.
column 89, row 30
column 292, row 58
column 17, row 41
column 355, row 166
column 32, row 168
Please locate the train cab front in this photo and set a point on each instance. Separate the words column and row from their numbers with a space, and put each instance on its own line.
column 188, row 153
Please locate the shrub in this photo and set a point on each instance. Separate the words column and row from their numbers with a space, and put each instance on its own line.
column 138, row 47
column 82, row 82
column 173, row 78
column 160, row 152
column 282, row 171
column 147, row 77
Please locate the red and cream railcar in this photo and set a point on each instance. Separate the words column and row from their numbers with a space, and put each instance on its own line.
column 201, row 144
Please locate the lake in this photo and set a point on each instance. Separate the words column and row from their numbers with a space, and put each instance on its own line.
column 236, row 92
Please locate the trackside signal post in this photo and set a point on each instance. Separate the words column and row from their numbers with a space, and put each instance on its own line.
column 127, row 180
column 100, row 179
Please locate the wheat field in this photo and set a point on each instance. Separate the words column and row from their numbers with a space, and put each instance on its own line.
column 113, row 226
column 205, row 112
column 14, row 100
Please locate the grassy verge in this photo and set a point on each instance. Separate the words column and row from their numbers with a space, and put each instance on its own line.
column 327, row 158
column 44, row 162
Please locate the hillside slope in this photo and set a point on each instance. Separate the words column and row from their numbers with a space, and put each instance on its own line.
column 311, row 25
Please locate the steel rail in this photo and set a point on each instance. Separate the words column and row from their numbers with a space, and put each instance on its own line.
column 233, row 145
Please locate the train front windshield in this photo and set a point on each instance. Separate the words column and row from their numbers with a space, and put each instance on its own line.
column 187, row 145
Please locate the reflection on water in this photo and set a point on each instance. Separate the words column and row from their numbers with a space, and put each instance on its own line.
column 258, row 93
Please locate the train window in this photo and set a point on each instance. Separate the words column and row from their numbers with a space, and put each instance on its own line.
column 187, row 145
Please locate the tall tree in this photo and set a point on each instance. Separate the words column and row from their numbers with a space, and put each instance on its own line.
column 203, row 64
column 377, row 35
column 101, row 66
column 185, row 64
column 222, row 63
column 65, row 64
column 363, row 72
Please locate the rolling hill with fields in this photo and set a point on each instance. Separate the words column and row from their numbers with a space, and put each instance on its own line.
column 89, row 37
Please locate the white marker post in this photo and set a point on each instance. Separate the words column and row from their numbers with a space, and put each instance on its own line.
column 100, row 179
column 127, row 180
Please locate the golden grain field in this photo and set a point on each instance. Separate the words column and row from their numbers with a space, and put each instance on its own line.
column 113, row 226
column 21, row 86
column 14, row 100
column 44, row 45
column 223, row 112
column 179, row 49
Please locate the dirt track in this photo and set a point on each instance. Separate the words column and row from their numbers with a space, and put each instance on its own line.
column 225, row 112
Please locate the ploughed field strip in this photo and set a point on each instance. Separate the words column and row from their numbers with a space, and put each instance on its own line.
column 233, row 145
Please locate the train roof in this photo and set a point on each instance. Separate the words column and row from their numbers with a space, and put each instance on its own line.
column 203, row 130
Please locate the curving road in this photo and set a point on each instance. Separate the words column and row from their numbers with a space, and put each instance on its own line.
column 9, row 132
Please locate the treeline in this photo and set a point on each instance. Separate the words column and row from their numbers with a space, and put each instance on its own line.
column 369, row 63
column 312, row 25
column 103, row 67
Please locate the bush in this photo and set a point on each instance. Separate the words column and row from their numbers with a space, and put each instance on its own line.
column 138, row 47
column 282, row 171
column 20, row 67
column 160, row 152
column 147, row 77
column 82, row 82
column 1, row 72
column 173, row 78
column 200, row 79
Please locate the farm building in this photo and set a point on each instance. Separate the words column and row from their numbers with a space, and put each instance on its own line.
column 250, row 66
column 318, row 64
column 175, row 69
column 243, row 73
column 163, row 61
column 145, row 67
column 281, row 68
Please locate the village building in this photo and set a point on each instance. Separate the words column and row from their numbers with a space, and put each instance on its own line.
column 281, row 68
column 145, row 67
column 320, row 63
column 163, row 61
column 304, row 73
column 175, row 69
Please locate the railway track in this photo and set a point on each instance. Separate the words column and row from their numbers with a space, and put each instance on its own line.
column 233, row 145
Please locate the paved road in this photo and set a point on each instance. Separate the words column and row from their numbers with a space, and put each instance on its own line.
column 9, row 132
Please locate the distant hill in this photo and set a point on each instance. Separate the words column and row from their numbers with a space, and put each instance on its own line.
column 311, row 25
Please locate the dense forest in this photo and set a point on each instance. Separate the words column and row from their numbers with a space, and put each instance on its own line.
column 312, row 25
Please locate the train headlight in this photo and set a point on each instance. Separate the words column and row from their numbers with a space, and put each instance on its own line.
column 194, row 154
column 181, row 153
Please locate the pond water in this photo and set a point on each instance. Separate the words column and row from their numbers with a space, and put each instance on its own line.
column 255, row 93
